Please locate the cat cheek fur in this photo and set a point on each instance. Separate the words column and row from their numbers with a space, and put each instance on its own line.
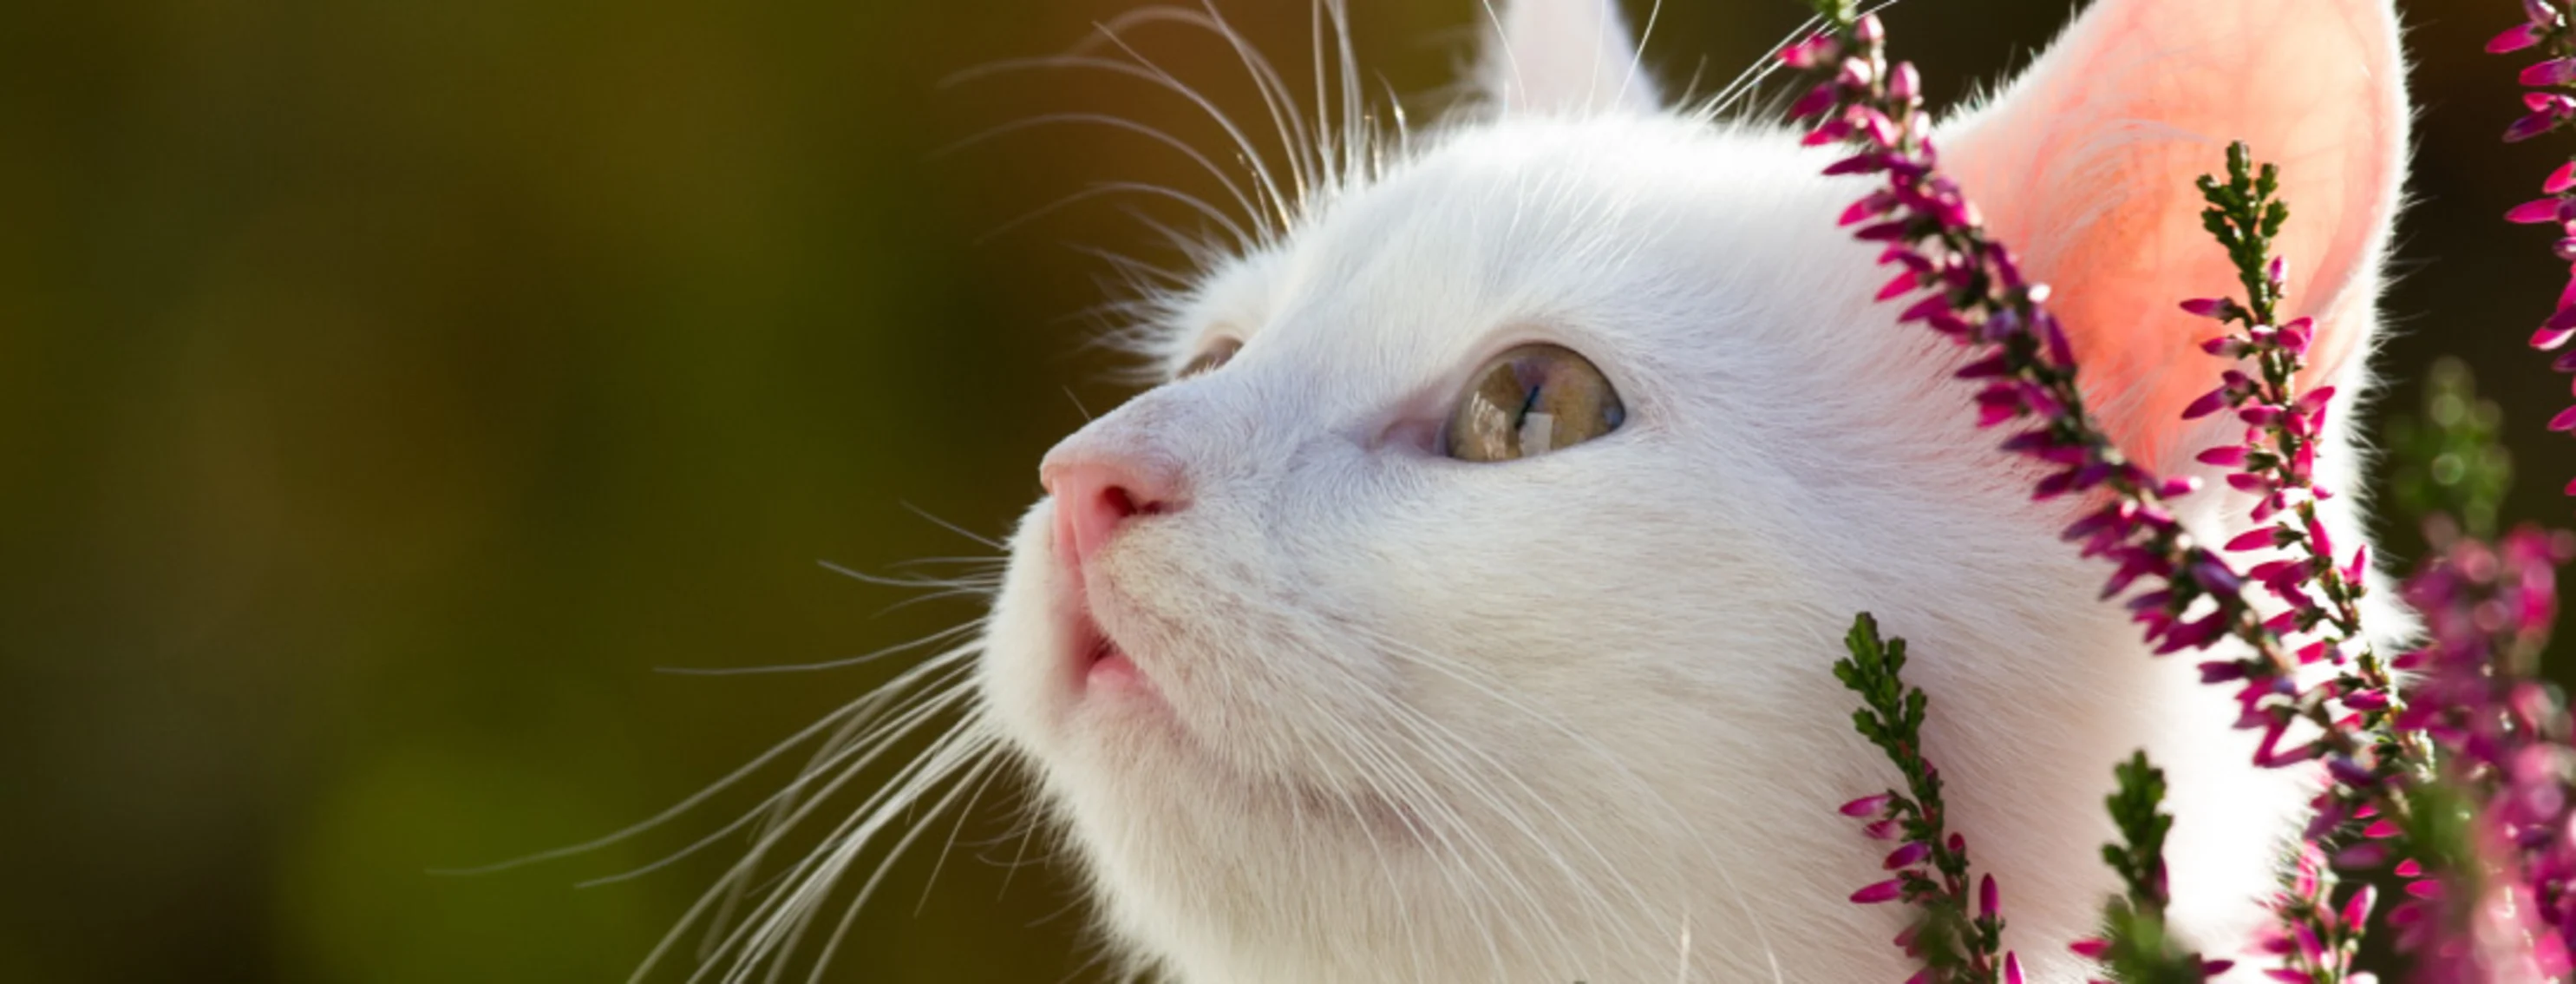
column 1549, row 719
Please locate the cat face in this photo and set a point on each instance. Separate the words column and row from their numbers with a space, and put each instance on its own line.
column 1318, row 697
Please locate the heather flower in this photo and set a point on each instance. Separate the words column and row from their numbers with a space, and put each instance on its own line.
column 2488, row 852
column 1957, row 944
column 2545, row 27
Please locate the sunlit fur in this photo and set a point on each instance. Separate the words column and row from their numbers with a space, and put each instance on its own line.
column 1570, row 717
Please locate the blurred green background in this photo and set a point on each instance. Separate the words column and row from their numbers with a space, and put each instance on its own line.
column 388, row 389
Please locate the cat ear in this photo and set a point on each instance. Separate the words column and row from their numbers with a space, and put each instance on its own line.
column 2087, row 165
column 1562, row 56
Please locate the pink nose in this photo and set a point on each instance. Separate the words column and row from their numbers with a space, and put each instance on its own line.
column 1096, row 495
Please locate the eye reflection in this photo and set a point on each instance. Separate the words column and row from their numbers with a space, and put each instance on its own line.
column 1529, row 401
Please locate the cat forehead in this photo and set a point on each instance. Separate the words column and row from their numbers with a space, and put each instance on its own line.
column 1592, row 223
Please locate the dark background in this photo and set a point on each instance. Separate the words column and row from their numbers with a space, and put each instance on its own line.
column 388, row 388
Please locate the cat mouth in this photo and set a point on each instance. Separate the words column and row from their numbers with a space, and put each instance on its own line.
column 1095, row 662
column 1099, row 663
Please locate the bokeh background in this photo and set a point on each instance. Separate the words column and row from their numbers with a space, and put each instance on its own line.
column 388, row 389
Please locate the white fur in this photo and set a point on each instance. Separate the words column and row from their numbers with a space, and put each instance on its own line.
column 1570, row 718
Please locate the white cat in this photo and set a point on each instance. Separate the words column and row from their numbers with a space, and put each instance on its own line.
column 1464, row 614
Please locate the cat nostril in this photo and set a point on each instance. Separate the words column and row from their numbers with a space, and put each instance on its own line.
column 1094, row 498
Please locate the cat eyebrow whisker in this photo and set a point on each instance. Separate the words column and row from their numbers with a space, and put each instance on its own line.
column 1120, row 123
column 1764, row 67
column 1116, row 187
column 1275, row 96
column 1251, row 153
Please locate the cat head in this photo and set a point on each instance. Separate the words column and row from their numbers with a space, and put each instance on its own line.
column 1462, row 603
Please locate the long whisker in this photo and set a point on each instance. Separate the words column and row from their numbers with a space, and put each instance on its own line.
column 672, row 812
column 788, row 794
column 1099, row 189
column 836, row 664
column 997, row 545
column 1116, row 123
column 1251, row 153
column 754, row 938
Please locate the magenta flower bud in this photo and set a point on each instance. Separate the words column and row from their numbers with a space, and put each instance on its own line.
column 1885, row 830
column 2565, row 421
column 2540, row 12
column 2221, row 671
column 2382, row 829
column 1881, row 130
column 1869, row 30
column 1907, row 856
column 1857, row 73
column 2223, row 456
column 2356, row 857
column 2060, row 351
column 2296, row 334
column 1987, row 368
column 1830, row 131
column 2356, row 910
column 1819, row 49
column 1904, row 84
column 2255, row 539
column 1885, row 232
column 2214, row 307
column 2554, row 72
column 2410, row 868
column 2534, row 212
column 2512, row 40
column 2012, row 969
column 1815, row 102
column 2310, row 948
column 1864, row 163
column 1877, row 892
column 2560, row 180
column 2556, row 333
column 2209, row 403
column 2214, row 576
column 2530, row 126
column 2277, row 271
column 1925, row 308
column 2424, row 889
column 1868, row 806
column 1989, row 900
column 1905, row 283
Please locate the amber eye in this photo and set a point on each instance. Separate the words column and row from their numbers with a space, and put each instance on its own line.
column 1529, row 401
column 1210, row 358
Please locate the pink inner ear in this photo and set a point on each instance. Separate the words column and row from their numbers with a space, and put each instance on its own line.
column 2087, row 167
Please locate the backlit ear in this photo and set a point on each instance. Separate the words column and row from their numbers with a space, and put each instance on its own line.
column 2086, row 165
column 1562, row 56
